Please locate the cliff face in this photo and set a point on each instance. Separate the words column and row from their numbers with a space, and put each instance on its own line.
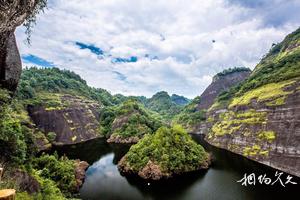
column 194, row 114
column 12, row 14
column 74, row 121
column 261, row 119
column 268, row 134
column 220, row 84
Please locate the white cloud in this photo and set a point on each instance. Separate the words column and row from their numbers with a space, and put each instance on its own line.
column 180, row 34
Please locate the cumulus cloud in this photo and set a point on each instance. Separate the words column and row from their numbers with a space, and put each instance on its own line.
column 178, row 46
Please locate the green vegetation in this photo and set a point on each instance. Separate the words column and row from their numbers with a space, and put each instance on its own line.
column 172, row 149
column 162, row 103
column 128, row 120
column 180, row 100
column 15, row 137
column 18, row 151
column 267, row 135
column 281, row 65
column 51, row 136
column 31, row 19
column 270, row 91
column 190, row 115
column 39, row 85
column 55, row 178
column 61, row 171
column 231, row 122
column 251, row 151
column 49, row 189
column 231, row 71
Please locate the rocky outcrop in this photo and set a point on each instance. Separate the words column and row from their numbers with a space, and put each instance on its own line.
column 152, row 171
column 12, row 14
column 260, row 119
column 10, row 66
column 123, row 140
column 269, row 134
column 80, row 169
column 220, row 84
column 26, row 182
column 75, row 122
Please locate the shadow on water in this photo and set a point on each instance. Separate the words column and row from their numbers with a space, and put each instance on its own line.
column 89, row 151
column 237, row 165
column 166, row 189
column 103, row 180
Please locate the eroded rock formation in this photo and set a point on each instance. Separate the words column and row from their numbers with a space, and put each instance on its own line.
column 261, row 119
column 220, row 84
column 269, row 134
column 12, row 14
column 75, row 122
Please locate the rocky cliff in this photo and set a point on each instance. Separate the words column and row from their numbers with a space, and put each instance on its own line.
column 74, row 119
column 260, row 119
column 221, row 82
column 193, row 116
column 12, row 14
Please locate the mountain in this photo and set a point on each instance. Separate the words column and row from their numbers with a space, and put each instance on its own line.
column 259, row 118
column 127, row 122
column 61, row 104
column 195, row 111
column 180, row 100
column 221, row 83
column 165, row 105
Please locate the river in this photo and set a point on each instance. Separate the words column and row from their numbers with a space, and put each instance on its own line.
column 104, row 182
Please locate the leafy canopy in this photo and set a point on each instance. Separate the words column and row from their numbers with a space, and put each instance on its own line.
column 172, row 149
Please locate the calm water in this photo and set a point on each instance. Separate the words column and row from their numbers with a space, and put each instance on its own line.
column 104, row 182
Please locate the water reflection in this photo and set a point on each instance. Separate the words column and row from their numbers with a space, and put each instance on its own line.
column 103, row 180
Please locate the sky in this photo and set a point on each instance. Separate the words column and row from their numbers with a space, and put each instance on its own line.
column 140, row 47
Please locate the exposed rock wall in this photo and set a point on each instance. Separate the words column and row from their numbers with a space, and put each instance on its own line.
column 269, row 134
column 10, row 64
column 219, row 85
column 12, row 14
column 75, row 123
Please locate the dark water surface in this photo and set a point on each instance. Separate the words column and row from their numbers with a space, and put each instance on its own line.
column 104, row 182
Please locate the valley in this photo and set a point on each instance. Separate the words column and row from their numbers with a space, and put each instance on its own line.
column 61, row 138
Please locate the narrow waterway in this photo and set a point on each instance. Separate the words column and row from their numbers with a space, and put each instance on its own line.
column 104, row 182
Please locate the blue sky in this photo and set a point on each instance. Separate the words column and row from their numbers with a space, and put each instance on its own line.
column 139, row 47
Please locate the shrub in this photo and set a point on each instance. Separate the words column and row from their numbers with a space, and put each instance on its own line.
column 51, row 136
column 61, row 171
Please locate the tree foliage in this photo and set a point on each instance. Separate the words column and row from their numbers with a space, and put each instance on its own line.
column 30, row 21
column 59, row 170
column 135, row 120
column 162, row 103
column 171, row 148
column 232, row 70
column 190, row 114
column 36, row 80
